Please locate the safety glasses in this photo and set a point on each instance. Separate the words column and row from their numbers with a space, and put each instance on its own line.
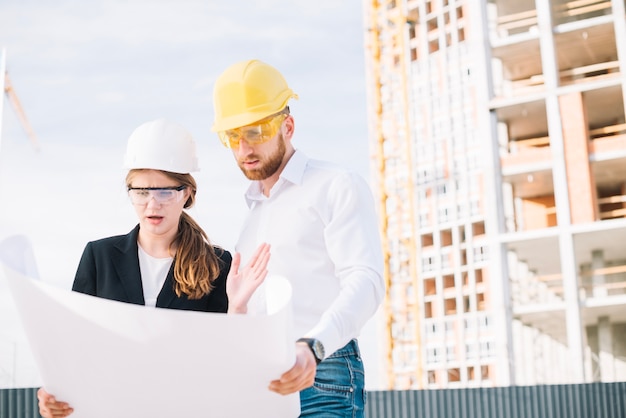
column 255, row 134
column 162, row 195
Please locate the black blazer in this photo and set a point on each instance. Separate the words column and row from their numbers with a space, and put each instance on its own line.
column 109, row 268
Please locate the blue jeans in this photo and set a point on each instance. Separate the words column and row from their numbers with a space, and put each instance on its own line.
column 339, row 388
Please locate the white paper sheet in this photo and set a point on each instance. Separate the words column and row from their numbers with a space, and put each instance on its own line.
column 113, row 359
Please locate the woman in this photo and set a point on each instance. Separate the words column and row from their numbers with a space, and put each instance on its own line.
column 166, row 261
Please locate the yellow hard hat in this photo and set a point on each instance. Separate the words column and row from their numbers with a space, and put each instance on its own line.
column 247, row 92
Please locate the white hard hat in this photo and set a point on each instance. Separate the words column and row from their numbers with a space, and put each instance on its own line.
column 161, row 145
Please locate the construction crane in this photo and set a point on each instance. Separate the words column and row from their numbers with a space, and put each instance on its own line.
column 387, row 69
column 9, row 90
column 375, row 75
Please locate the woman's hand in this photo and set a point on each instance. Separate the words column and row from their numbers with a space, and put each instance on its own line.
column 49, row 407
column 240, row 285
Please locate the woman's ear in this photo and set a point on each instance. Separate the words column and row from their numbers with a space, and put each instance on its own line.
column 188, row 200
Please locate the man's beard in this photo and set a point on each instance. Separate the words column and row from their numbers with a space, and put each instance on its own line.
column 268, row 166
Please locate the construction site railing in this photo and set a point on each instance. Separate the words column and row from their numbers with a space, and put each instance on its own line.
column 587, row 400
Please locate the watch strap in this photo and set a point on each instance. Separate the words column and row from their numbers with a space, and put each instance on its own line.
column 316, row 348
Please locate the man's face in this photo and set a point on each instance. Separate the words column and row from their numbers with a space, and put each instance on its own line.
column 261, row 161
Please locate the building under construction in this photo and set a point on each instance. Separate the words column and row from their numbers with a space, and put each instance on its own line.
column 498, row 141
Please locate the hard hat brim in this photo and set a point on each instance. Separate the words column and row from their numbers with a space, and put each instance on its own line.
column 251, row 116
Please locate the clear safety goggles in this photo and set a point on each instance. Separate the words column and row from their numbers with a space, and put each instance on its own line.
column 162, row 195
column 257, row 133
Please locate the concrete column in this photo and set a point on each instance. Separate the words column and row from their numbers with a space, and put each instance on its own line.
column 580, row 181
column 592, row 368
column 598, row 280
column 561, row 192
column 499, row 281
column 619, row 16
column 589, row 355
column 605, row 350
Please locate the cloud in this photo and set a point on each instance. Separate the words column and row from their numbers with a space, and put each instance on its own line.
column 111, row 97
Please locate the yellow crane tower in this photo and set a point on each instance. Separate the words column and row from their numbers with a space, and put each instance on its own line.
column 388, row 79
column 9, row 90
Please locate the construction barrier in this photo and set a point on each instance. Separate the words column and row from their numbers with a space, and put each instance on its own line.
column 590, row 400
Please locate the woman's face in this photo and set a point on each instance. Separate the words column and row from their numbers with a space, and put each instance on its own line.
column 158, row 218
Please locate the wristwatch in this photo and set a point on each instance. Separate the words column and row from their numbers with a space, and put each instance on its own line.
column 316, row 346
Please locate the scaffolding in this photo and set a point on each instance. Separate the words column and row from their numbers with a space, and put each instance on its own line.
column 498, row 137
column 387, row 71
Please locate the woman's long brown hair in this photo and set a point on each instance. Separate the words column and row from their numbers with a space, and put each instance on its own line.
column 196, row 265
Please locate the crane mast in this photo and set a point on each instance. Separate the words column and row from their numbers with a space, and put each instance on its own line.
column 388, row 71
column 9, row 91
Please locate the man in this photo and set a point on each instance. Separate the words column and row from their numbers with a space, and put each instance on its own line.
column 321, row 223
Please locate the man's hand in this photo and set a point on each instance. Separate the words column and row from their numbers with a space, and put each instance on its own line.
column 300, row 376
column 49, row 407
column 240, row 285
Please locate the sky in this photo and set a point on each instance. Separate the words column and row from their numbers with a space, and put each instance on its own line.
column 88, row 72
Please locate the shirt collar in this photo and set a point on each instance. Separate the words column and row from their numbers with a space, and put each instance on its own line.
column 292, row 173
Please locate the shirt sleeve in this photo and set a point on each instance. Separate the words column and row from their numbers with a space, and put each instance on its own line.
column 353, row 243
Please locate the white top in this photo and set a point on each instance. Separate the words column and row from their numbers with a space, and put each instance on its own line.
column 321, row 223
column 153, row 274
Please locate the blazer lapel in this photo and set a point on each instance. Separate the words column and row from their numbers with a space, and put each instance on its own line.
column 167, row 294
column 128, row 267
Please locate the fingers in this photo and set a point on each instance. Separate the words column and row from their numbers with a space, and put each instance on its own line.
column 300, row 376
column 257, row 264
column 260, row 250
column 234, row 265
column 49, row 407
column 240, row 285
column 42, row 395
column 259, row 269
column 296, row 383
column 260, row 257
column 261, row 260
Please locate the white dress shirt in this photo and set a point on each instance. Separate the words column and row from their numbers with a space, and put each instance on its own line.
column 321, row 223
